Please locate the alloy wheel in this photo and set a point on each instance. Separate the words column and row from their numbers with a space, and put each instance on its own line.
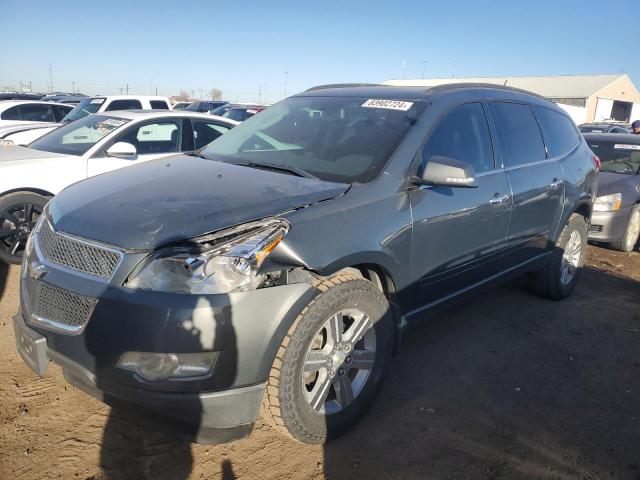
column 16, row 223
column 571, row 258
column 339, row 361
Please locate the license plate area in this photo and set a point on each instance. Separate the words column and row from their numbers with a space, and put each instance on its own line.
column 31, row 346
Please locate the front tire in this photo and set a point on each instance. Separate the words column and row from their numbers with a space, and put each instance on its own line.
column 561, row 273
column 19, row 212
column 331, row 363
column 630, row 239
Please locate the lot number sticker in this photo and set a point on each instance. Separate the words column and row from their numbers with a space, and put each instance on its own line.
column 388, row 104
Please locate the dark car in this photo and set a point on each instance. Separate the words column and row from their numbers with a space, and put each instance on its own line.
column 604, row 128
column 240, row 113
column 20, row 96
column 285, row 259
column 68, row 99
column 205, row 106
column 616, row 211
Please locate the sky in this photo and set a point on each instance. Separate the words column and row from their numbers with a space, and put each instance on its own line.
column 246, row 48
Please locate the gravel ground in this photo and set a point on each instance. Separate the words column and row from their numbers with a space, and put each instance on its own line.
column 505, row 385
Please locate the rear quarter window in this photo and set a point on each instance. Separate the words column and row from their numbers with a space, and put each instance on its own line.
column 159, row 105
column 519, row 133
column 560, row 134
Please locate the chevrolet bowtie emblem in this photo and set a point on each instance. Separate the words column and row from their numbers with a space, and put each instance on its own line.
column 37, row 270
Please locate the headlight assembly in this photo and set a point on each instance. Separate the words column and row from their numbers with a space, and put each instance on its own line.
column 222, row 263
column 608, row 203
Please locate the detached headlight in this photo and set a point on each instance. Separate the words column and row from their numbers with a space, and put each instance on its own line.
column 224, row 263
column 608, row 203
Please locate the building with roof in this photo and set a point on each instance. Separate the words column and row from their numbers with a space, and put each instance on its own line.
column 587, row 98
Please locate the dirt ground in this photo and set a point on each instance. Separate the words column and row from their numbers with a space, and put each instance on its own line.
column 505, row 385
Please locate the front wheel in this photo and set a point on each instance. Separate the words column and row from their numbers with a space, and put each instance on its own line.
column 628, row 242
column 19, row 212
column 331, row 363
column 560, row 275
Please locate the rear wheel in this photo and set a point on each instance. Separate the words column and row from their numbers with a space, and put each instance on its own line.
column 331, row 363
column 18, row 214
column 630, row 239
column 560, row 275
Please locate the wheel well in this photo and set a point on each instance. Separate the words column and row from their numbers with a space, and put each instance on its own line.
column 38, row 191
column 584, row 210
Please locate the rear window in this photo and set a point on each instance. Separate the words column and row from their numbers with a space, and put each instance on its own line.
column 519, row 133
column 617, row 157
column 159, row 105
column 559, row 132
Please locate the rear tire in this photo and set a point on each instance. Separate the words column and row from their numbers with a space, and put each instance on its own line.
column 632, row 232
column 307, row 363
column 19, row 212
column 561, row 273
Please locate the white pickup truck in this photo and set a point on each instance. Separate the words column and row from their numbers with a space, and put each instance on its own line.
column 23, row 134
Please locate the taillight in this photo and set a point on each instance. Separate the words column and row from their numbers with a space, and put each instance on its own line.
column 596, row 160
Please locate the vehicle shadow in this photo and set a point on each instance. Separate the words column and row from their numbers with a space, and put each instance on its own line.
column 4, row 273
column 138, row 443
column 509, row 385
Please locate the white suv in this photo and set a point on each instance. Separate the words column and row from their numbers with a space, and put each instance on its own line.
column 98, row 104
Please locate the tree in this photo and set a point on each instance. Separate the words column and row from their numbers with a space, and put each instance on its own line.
column 183, row 96
column 215, row 94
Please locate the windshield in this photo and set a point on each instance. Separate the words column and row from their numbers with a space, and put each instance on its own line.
column 84, row 108
column 617, row 157
column 77, row 137
column 220, row 110
column 334, row 138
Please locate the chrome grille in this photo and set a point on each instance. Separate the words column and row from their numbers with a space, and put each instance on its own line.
column 58, row 307
column 77, row 254
column 595, row 228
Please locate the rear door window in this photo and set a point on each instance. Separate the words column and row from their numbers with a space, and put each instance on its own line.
column 463, row 134
column 36, row 113
column 159, row 105
column 559, row 132
column 60, row 111
column 206, row 132
column 519, row 133
column 124, row 105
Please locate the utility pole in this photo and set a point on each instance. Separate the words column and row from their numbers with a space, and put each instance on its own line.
column 265, row 93
column 156, row 91
column 73, row 87
column 127, row 89
column 404, row 69
column 50, row 77
column 260, row 93
column 201, row 94
column 120, row 90
column 285, row 84
column 424, row 67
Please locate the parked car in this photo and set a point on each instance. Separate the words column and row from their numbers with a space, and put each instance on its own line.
column 180, row 105
column 284, row 266
column 20, row 96
column 205, row 106
column 65, row 98
column 616, row 215
column 88, row 106
column 24, row 133
column 221, row 110
column 14, row 112
column 242, row 113
column 98, row 143
column 604, row 127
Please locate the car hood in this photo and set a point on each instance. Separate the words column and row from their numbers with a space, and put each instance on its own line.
column 16, row 153
column 145, row 206
column 21, row 127
column 619, row 183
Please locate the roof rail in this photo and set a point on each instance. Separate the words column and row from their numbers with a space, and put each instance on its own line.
column 344, row 85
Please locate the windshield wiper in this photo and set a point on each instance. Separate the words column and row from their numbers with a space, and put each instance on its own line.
column 196, row 153
column 278, row 167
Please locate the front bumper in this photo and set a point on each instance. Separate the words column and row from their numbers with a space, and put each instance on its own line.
column 609, row 226
column 244, row 328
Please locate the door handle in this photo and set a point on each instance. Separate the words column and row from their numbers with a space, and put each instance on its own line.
column 499, row 200
column 556, row 183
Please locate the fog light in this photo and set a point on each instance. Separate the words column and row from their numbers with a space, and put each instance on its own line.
column 154, row 367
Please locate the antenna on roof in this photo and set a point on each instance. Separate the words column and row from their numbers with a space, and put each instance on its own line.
column 505, row 83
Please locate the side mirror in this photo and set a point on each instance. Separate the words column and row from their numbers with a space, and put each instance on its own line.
column 445, row 171
column 122, row 150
